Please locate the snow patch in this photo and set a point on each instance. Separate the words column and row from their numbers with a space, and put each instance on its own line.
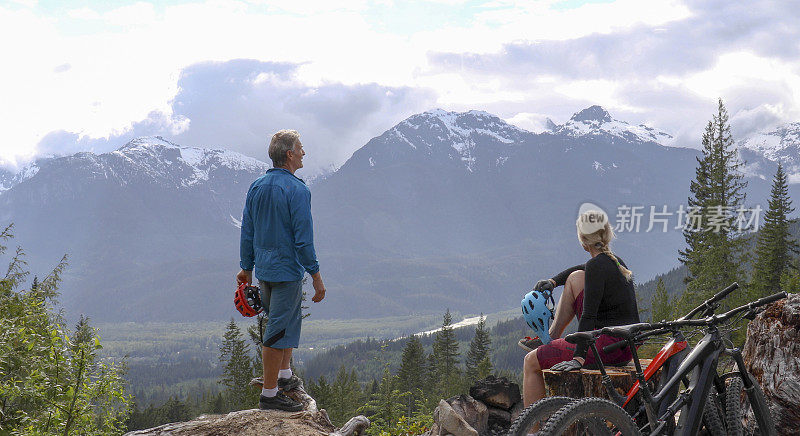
column 775, row 144
column 236, row 223
column 461, row 130
column 578, row 126
column 781, row 144
column 371, row 161
column 403, row 137
column 463, row 323
column 192, row 156
column 28, row 172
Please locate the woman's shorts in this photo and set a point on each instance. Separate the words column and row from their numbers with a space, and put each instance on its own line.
column 281, row 302
column 559, row 350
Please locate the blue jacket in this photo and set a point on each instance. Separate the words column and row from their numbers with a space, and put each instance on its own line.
column 277, row 231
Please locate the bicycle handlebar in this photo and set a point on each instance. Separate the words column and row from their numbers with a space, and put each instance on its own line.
column 669, row 325
column 711, row 301
column 707, row 307
column 750, row 306
column 719, row 319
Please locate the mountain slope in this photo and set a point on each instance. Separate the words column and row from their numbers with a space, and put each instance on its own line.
column 472, row 231
column 445, row 209
column 148, row 228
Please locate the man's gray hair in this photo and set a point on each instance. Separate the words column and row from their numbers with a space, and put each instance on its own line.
column 282, row 142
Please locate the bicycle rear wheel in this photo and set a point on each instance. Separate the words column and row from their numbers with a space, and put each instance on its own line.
column 535, row 415
column 591, row 416
column 747, row 413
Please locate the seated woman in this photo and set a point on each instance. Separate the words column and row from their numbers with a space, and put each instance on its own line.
column 600, row 293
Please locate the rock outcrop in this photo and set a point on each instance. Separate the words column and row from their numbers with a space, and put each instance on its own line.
column 489, row 409
column 496, row 392
column 251, row 422
column 772, row 355
column 308, row 422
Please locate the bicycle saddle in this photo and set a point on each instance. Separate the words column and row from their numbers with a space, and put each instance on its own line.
column 574, row 338
column 625, row 331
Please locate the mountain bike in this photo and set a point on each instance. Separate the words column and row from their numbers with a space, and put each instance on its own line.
column 697, row 371
column 667, row 359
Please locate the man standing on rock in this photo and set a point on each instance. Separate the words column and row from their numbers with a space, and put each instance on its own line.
column 278, row 240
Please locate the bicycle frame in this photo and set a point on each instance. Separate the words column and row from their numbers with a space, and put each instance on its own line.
column 671, row 356
column 698, row 370
column 670, row 349
column 701, row 362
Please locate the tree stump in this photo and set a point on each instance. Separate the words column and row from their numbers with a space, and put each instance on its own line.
column 589, row 383
column 772, row 355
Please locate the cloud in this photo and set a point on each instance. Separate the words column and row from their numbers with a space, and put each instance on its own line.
column 668, row 75
column 238, row 104
column 62, row 68
column 675, row 48
column 107, row 72
column 761, row 117
column 532, row 122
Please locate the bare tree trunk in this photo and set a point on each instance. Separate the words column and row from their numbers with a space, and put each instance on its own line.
column 354, row 427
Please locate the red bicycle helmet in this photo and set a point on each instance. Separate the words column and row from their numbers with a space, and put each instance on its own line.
column 247, row 300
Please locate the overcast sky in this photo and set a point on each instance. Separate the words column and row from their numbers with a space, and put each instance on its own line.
column 90, row 75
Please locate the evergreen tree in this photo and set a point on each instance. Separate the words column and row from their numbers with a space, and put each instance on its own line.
column 715, row 249
column 478, row 352
column 790, row 279
column 412, row 372
column 256, row 332
column 83, row 331
column 775, row 245
column 431, row 377
column 216, row 404
column 386, row 406
column 484, row 368
column 237, row 368
column 346, row 396
column 661, row 305
column 445, row 358
column 411, row 376
column 321, row 391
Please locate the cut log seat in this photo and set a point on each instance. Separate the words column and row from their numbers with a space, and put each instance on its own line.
column 589, row 383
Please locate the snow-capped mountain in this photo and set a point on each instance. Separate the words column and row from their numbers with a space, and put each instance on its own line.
column 442, row 196
column 764, row 149
column 595, row 121
column 461, row 138
column 148, row 220
column 160, row 161
column 9, row 178
column 459, row 210
column 5, row 179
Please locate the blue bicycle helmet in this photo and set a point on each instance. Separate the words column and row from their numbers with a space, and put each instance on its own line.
column 537, row 308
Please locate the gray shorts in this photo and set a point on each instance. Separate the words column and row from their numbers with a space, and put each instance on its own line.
column 281, row 302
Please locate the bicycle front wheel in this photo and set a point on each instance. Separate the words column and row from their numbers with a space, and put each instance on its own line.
column 534, row 416
column 713, row 415
column 747, row 413
column 591, row 416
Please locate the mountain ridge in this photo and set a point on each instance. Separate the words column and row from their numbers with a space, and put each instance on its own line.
column 460, row 210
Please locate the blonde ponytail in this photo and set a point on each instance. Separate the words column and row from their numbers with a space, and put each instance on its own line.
column 601, row 240
column 625, row 271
